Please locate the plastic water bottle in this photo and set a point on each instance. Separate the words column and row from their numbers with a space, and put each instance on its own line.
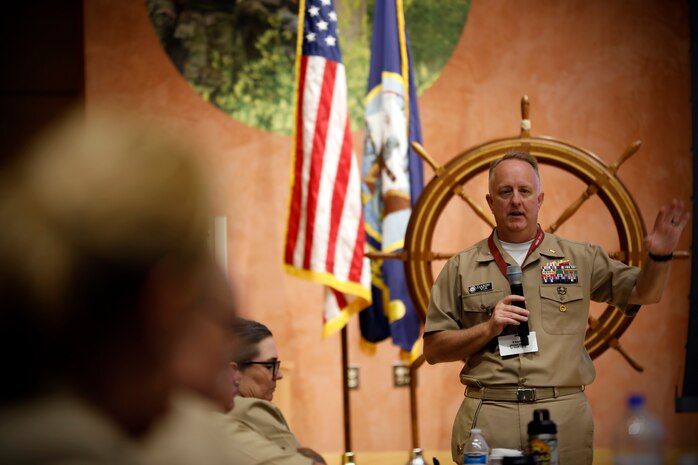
column 641, row 438
column 416, row 457
column 477, row 450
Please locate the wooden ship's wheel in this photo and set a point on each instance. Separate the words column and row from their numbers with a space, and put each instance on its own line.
column 449, row 179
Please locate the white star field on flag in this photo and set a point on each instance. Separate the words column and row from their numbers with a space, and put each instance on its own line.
column 321, row 32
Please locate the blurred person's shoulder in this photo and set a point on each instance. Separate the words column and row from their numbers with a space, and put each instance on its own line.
column 61, row 428
column 193, row 431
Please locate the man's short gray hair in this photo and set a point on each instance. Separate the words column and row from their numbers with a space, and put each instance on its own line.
column 515, row 155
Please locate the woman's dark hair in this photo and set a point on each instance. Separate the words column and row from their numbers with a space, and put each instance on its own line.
column 248, row 334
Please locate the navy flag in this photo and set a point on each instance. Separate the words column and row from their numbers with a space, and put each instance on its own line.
column 392, row 178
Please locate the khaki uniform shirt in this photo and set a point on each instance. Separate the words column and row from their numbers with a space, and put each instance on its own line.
column 471, row 284
column 262, row 435
column 193, row 431
column 61, row 428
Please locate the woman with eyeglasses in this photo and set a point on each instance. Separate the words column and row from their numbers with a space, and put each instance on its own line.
column 257, row 358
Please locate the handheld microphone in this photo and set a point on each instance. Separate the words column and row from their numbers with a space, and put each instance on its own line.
column 515, row 276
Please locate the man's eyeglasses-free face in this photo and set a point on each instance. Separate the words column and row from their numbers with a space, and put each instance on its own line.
column 272, row 366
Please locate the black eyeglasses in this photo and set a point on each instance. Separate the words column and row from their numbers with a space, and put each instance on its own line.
column 272, row 366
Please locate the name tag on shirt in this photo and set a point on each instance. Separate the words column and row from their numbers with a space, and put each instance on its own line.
column 511, row 344
column 482, row 287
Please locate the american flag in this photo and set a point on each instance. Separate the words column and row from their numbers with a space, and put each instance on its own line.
column 325, row 239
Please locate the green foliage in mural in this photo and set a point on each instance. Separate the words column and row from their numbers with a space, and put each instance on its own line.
column 241, row 58
column 263, row 94
column 434, row 29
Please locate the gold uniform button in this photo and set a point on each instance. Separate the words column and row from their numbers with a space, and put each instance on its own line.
column 563, row 308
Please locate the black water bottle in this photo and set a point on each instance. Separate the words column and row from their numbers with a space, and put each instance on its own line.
column 542, row 438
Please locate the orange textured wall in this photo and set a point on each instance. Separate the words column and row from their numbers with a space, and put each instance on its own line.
column 599, row 74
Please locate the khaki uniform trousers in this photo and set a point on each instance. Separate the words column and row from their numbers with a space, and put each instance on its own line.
column 505, row 424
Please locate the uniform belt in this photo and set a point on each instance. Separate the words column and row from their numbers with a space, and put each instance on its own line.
column 520, row 394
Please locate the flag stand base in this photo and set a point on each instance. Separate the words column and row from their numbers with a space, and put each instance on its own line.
column 348, row 458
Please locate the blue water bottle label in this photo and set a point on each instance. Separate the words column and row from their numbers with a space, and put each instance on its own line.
column 474, row 457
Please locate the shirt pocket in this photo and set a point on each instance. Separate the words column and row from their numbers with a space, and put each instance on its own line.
column 478, row 307
column 285, row 440
column 562, row 309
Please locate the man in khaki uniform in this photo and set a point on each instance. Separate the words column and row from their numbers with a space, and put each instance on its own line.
column 472, row 316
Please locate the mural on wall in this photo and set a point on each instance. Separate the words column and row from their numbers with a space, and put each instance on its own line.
column 239, row 55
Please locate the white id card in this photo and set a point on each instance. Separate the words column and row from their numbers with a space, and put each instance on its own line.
column 511, row 344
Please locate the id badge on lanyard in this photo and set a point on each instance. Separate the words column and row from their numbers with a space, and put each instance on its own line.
column 510, row 344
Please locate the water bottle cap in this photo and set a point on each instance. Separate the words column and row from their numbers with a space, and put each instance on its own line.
column 476, row 430
column 636, row 400
column 541, row 423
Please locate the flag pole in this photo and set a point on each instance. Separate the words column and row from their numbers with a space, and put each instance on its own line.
column 345, row 392
column 414, row 414
column 321, row 114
